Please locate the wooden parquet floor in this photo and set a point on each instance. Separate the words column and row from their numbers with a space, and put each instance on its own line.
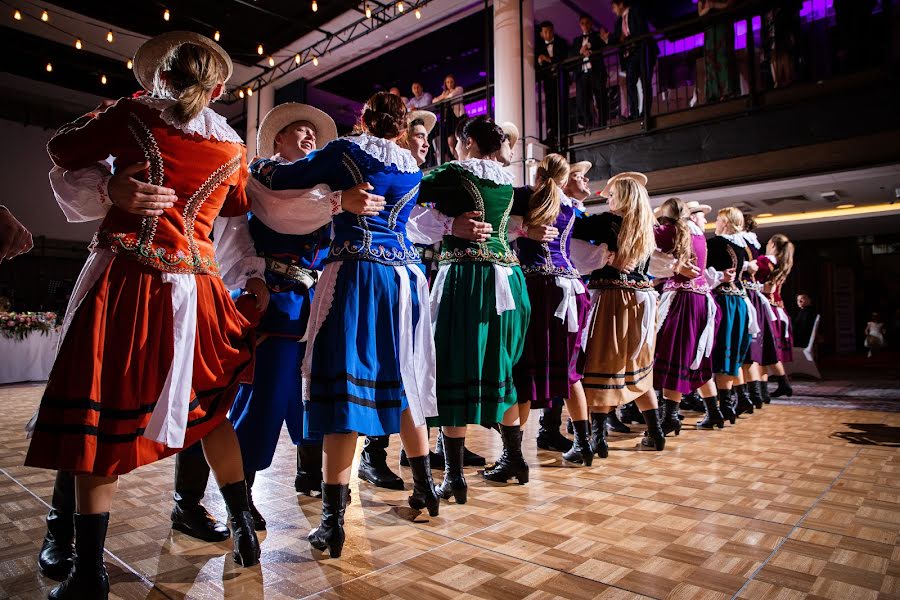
column 797, row 501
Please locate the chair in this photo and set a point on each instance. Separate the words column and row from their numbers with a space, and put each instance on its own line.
column 804, row 362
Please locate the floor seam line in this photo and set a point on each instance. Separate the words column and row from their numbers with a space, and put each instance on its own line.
column 799, row 525
column 105, row 550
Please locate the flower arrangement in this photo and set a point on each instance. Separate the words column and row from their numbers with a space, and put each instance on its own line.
column 20, row 325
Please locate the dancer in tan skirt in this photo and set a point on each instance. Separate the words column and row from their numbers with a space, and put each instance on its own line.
column 621, row 327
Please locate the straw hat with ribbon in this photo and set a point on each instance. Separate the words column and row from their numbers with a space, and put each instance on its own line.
column 512, row 132
column 153, row 54
column 580, row 167
column 290, row 112
column 694, row 207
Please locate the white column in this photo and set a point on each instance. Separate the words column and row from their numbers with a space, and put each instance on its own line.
column 513, row 42
column 258, row 106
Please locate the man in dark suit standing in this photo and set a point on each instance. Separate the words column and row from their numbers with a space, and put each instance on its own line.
column 550, row 50
column 631, row 24
column 591, row 76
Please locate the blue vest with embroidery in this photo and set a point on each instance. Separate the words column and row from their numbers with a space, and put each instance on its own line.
column 289, row 301
column 343, row 164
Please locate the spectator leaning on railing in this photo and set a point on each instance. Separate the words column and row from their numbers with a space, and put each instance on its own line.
column 631, row 23
column 550, row 50
column 420, row 98
column 591, row 75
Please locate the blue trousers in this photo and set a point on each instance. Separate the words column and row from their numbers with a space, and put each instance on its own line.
column 275, row 398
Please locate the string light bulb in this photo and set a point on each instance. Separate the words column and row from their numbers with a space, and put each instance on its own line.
column 240, row 93
column 49, row 67
column 109, row 36
column 103, row 79
column 45, row 16
column 259, row 50
column 297, row 59
column 166, row 15
column 78, row 44
column 368, row 12
column 315, row 61
column 129, row 64
column 400, row 7
column 216, row 35
column 17, row 16
column 315, row 6
column 418, row 14
column 271, row 62
column 249, row 91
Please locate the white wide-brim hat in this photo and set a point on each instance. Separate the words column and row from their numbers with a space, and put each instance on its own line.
column 580, row 167
column 512, row 132
column 290, row 112
column 153, row 53
column 694, row 207
column 639, row 177
column 427, row 117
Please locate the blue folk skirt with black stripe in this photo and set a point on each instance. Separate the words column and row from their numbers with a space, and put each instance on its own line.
column 732, row 336
column 353, row 380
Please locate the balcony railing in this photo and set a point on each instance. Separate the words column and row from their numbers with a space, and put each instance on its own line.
column 734, row 54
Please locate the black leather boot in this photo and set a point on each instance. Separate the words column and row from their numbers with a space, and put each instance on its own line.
column 670, row 421
column 514, row 465
column 692, row 402
column 259, row 522
column 784, row 386
column 631, row 414
column 188, row 515
column 58, row 548
column 580, row 453
column 744, row 406
column 454, row 483
column 713, row 416
column 755, row 390
column 373, row 464
column 549, row 437
column 764, row 391
column 570, row 429
column 423, row 495
column 329, row 535
column 599, row 446
column 470, row 459
column 654, row 438
column 246, row 545
column 88, row 578
column 726, row 406
column 614, row 424
column 309, row 470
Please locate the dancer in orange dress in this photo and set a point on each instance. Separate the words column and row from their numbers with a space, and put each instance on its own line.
column 154, row 347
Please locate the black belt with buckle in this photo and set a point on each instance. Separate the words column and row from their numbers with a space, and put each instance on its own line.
column 295, row 273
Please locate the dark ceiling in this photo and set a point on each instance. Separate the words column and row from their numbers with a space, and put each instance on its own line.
column 243, row 24
column 455, row 49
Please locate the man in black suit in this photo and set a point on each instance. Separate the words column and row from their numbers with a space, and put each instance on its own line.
column 631, row 23
column 591, row 76
column 550, row 50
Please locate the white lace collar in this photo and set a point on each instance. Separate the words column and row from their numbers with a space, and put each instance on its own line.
column 735, row 238
column 489, row 170
column 385, row 151
column 772, row 259
column 208, row 124
column 695, row 229
column 566, row 201
column 751, row 239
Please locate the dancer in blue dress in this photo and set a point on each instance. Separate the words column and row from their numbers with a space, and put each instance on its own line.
column 369, row 362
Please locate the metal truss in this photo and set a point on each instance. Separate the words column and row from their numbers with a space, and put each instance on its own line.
column 382, row 14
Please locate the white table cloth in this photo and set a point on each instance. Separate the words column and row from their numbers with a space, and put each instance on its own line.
column 27, row 360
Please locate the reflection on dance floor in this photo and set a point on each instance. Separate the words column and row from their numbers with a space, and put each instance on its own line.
column 781, row 500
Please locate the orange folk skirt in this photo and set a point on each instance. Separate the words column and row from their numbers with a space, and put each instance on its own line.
column 112, row 366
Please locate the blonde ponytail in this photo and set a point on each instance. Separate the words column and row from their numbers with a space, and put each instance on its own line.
column 191, row 72
column 543, row 206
